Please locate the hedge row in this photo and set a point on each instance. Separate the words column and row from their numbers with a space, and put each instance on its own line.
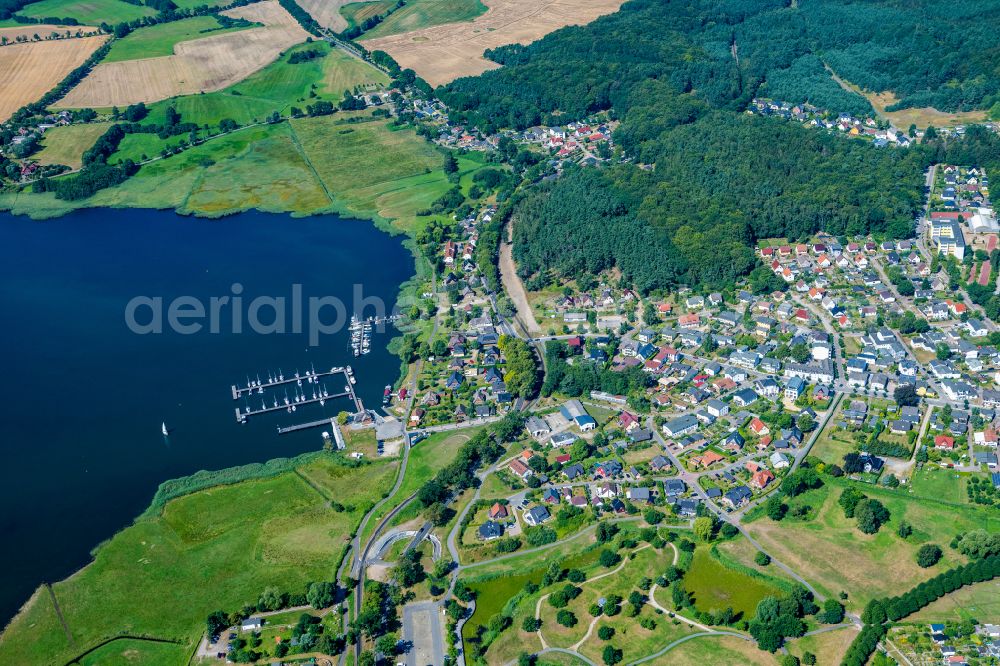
column 896, row 608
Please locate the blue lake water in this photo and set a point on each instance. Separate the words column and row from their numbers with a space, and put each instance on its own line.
column 82, row 397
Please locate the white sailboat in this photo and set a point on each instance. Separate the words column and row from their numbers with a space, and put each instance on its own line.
column 163, row 428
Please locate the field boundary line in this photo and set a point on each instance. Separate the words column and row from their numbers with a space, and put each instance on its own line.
column 312, row 485
column 305, row 158
column 62, row 620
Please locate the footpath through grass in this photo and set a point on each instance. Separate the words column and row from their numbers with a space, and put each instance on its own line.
column 214, row 549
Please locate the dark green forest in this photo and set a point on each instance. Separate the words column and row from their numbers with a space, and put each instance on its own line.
column 706, row 180
column 928, row 52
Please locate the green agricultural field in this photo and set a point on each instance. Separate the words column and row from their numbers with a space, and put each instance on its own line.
column 87, row 12
column 66, row 145
column 307, row 166
column 356, row 13
column 419, row 14
column 402, row 174
column 344, row 72
column 159, row 40
column 216, row 548
column 132, row 652
column 715, row 586
column 817, row 548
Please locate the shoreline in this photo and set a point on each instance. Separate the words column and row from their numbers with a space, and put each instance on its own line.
column 156, row 504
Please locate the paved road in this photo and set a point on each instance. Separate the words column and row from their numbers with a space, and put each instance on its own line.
column 422, row 629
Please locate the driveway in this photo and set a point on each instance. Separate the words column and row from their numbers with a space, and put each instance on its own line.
column 422, row 630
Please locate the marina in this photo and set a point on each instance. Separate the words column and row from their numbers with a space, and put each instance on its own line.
column 258, row 386
column 302, row 394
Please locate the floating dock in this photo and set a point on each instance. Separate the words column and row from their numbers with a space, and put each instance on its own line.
column 318, row 394
column 274, row 381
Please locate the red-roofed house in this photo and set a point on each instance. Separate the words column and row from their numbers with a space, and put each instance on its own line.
column 761, row 478
column 759, row 428
column 944, row 442
column 628, row 421
column 498, row 510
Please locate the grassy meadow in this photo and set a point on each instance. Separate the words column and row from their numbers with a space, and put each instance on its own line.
column 819, row 548
column 716, row 650
column 159, row 40
column 132, row 652
column 66, row 145
column 216, row 548
column 980, row 602
column 715, row 586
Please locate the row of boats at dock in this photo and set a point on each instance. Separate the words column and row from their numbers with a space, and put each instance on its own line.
column 361, row 335
column 302, row 394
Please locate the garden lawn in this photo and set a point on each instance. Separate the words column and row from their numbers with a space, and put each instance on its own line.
column 833, row 443
column 216, row 548
column 935, row 483
column 159, row 40
column 817, row 549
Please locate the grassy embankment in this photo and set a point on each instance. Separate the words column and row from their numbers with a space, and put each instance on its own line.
column 211, row 549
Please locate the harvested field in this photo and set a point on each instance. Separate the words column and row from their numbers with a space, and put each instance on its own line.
column 200, row 65
column 419, row 14
column 445, row 52
column 327, row 12
column 28, row 71
column 45, row 31
column 921, row 117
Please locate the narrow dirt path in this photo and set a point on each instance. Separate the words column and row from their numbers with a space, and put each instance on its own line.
column 513, row 285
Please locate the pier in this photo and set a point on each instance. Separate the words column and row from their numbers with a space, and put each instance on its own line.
column 309, row 377
column 271, row 402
